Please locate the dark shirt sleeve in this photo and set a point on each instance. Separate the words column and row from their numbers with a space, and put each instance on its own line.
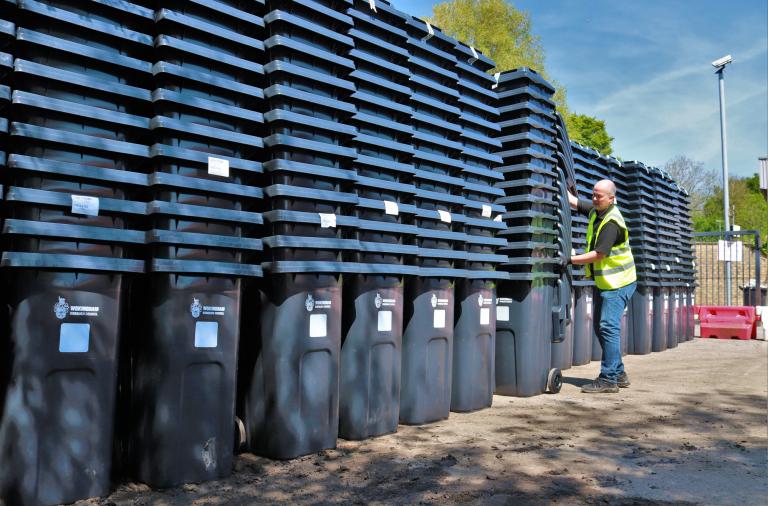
column 584, row 206
column 607, row 238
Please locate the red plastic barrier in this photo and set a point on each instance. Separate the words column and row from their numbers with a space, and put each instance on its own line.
column 727, row 322
column 733, row 314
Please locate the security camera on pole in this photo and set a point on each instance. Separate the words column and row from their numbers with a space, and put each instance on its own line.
column 719, row 65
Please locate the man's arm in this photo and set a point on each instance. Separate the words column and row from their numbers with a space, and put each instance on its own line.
column 572, row 200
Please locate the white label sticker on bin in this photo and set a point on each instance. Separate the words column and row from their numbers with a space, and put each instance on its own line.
column 475, row 56
column 677, row 259
column 589, row 308
column 497, row 218
column 496, row 77
column 218, row 166
column 385, row 321
column 372, row 3
column 653, row 267
column 445, row 216
column 430, row 32
column 502, row 313
column 438, row 320
column 327, row 220
column 318, row 325
column 88, row 206
column 74, row 337
column 669, row 268
column 485, row 316
column 206, row 334
column 487, row 211
column 391, row 208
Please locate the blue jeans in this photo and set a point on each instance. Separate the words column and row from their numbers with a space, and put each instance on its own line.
column 609, row 306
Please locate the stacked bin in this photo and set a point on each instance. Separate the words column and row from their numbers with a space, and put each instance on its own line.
column 563, row 296
column 475, row 329
column 204, row 237
column 425, row 394
column 7, row 35
column 290, row 369
column 583, row 315
column 79, row 134
column 666, row 246
column 686, row 265
column 372, row 330
column 529, row 150
column 649, row 297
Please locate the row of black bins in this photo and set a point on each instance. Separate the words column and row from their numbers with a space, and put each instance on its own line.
column 644, row 329
column 104, row 137
column 197, row 235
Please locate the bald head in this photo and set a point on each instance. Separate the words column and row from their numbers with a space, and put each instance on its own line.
column 603, row 194
column 605, row 186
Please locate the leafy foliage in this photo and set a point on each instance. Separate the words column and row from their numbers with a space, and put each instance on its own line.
column 590, row 132
column 749, row 209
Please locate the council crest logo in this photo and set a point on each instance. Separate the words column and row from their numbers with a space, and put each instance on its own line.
column 433, row 300
column 309, row 303
column 480, row 299
column 378, row 300
column 61, row 308
column 196, row 308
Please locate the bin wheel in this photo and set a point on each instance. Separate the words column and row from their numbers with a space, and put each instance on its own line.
column 239, row 434
column 554, row 381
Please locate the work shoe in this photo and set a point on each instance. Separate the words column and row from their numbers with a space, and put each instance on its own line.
column 600, row 386
column 623, row 380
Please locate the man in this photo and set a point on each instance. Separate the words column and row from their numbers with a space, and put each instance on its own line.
column 608, row 259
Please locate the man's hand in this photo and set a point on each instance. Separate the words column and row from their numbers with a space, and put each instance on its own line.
column 563, row 262
column 572, row 200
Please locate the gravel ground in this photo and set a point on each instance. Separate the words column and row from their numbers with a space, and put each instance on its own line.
column 691, row 429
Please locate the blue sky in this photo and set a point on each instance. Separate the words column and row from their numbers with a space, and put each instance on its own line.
column 645, row 68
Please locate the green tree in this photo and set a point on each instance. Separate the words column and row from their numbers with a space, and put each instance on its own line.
column 501, row 32
column 749, row 209
column 590, row 132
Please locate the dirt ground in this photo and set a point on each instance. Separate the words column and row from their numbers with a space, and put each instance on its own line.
column 692, row 428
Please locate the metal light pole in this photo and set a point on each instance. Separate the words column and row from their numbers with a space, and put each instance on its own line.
column 719, row 68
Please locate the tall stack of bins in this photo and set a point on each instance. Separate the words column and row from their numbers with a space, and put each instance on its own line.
column 7, row 35
column 666, row 237
column 475, row 329
column 649, row 297
column 425, row 394
column 290, row 381
column 677, row 266
column 78, row 149
column 686, row 255
column 524, row 303
column 372, row 330
column 204, row 242
column 583, row 288
column 563, row 296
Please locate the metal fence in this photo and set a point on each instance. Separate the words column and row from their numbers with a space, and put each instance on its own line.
column 731, row 269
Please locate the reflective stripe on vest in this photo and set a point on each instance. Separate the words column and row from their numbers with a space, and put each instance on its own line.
column 617, row 268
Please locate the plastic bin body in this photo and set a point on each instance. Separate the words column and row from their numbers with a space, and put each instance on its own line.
column 523, row 338
column 425, row 390
column 749, row 295
column 369, row 384
column 582, row 325
column 562, row 352
column 673, row 318
column 641, row 320
column 57, row 424
column 474, row 339
column 291, row 401
column 184, row 380
column 660, row 319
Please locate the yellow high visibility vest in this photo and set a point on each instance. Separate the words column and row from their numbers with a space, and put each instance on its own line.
column 617, row 268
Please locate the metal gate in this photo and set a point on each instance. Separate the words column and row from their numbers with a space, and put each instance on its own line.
column 731, row 269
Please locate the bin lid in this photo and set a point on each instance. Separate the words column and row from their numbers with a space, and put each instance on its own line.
column 68, row 262
column 157, row 236
column 53, row 168
column 204, row 268
column 74, row 232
